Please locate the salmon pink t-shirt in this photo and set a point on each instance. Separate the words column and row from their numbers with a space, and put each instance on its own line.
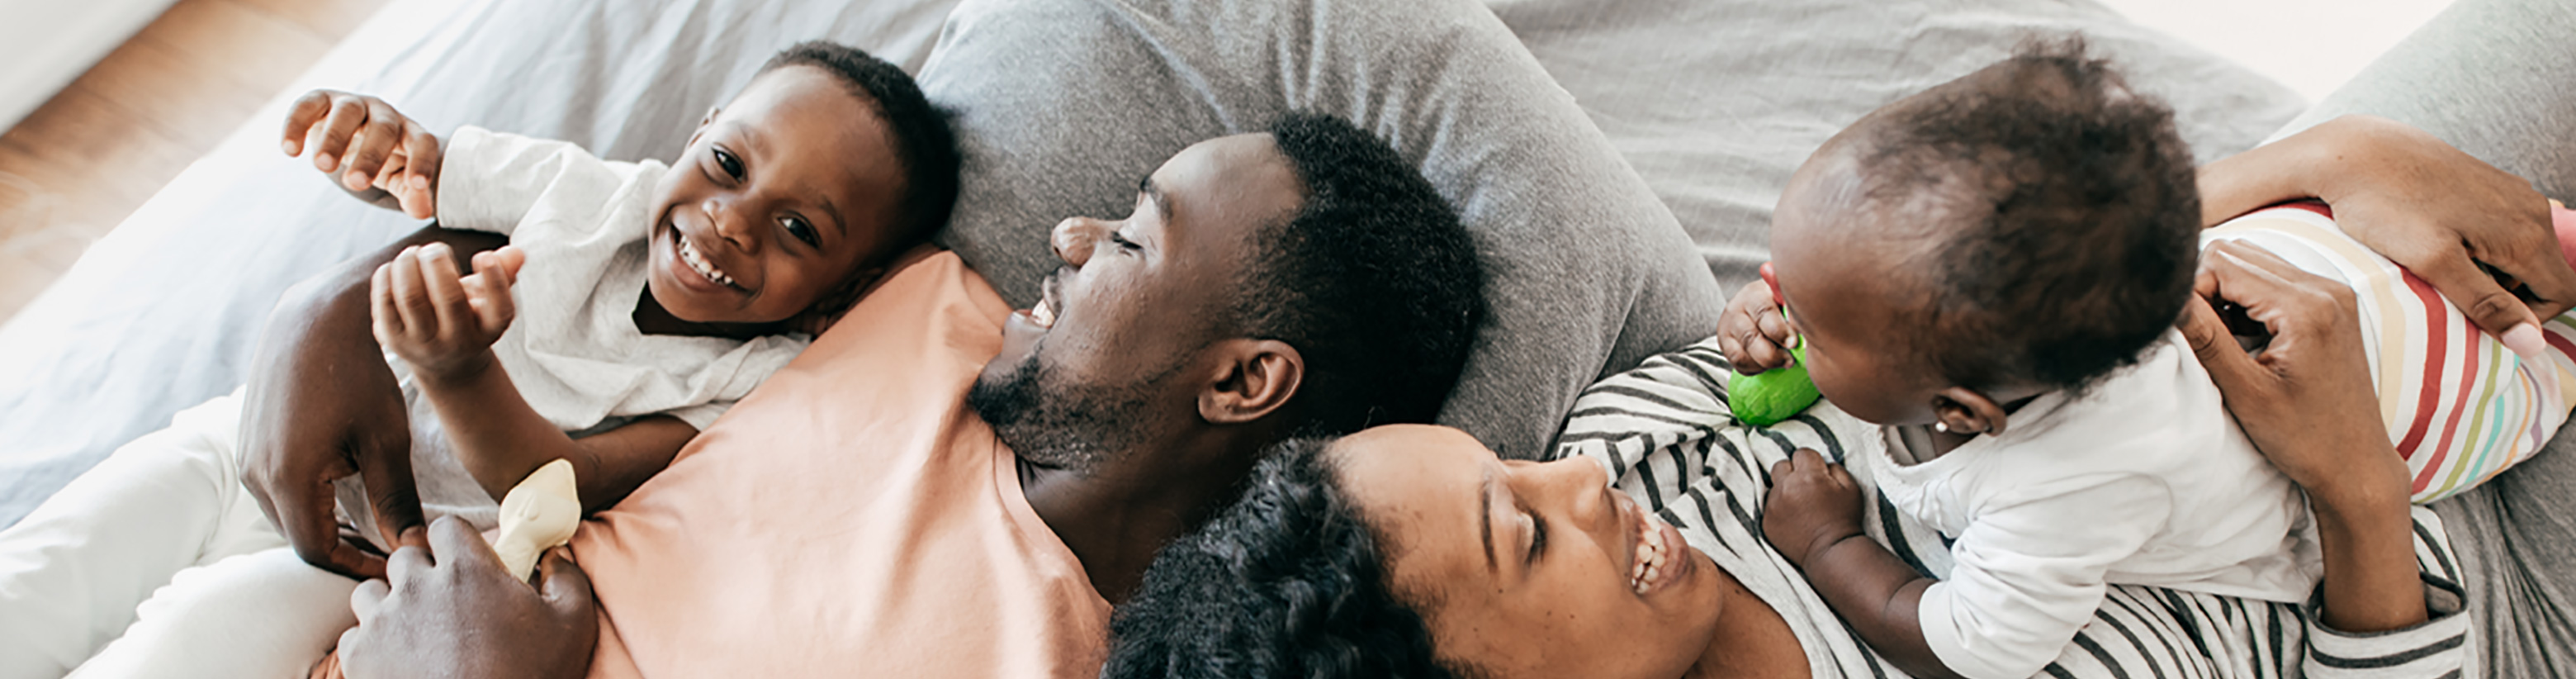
column 851, row 517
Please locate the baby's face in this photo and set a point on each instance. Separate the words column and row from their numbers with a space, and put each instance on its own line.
column 1843, row 286
column 781, row 196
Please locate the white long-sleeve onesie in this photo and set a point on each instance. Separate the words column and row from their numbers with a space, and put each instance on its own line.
column 2144, row 479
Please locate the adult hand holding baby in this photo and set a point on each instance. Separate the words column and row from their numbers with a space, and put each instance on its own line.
column 2308, row 404
column 378, row 154
column 450, row 610
column 2431, row 208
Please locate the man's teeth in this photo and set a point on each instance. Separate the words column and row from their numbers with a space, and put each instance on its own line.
column 689, row 253
column 1043, row 314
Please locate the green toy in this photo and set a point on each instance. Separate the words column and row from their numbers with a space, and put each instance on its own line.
column 1773, row 395
column 1779, row 393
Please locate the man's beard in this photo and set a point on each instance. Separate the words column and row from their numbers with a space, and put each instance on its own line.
column 1064, row 426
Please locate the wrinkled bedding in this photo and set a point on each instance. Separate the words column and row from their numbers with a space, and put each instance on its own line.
column 1712, row 103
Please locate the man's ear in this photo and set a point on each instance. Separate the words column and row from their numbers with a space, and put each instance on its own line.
column 1254, row 379
column 1961, row 410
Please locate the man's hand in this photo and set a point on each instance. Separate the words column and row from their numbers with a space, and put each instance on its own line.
column 2427, row 206
column 451, row 611
column 321, row 405
column 1813, row 504
column 1751, row 331
column 441, row 323
column 377, row 152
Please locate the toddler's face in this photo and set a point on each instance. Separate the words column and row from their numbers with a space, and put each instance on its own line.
column 780, row 197
column 1842, row 289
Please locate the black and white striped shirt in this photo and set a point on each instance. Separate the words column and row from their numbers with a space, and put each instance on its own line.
column 1667, row 437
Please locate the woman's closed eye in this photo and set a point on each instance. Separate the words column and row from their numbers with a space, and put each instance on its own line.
column 1538, row 539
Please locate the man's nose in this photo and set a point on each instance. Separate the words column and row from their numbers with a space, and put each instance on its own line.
column 1075, row 238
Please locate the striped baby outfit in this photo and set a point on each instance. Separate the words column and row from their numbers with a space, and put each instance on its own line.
column 2458, row 404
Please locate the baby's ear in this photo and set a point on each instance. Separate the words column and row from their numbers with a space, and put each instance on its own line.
column 1961, row 410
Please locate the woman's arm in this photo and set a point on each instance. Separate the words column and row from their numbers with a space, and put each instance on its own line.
column 2307, row 403
column 2425, row 205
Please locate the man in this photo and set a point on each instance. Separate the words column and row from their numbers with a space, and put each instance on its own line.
column 859, row 514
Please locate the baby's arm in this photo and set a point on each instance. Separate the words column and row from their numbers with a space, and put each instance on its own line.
column 1812, row 516
column 2029, row 570
column 444, row 326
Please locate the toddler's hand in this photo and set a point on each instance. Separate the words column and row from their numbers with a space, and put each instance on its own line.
column 1751, row 332
column 1812, row 505
column 375, row 151
column 439, row 322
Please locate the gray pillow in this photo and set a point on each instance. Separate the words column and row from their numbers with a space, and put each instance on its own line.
column 1716, row 102
column 1062, row 104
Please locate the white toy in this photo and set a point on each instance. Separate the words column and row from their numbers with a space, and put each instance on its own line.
column 536, row 515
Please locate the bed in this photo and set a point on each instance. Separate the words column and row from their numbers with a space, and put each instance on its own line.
column 1619, row 177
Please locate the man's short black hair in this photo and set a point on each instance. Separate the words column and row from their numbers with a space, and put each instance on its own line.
column 1288, row 583
column 923, row 142
column 2074, row 217
column 1374, row 281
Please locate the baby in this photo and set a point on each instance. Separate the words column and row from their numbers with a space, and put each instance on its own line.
column 634, row 304
column 2014, row 247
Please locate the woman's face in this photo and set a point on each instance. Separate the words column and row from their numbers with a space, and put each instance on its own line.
column 1528, row 569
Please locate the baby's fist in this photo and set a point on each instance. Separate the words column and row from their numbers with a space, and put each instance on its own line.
column 439, row 322
column 1812, row 505
column 1751, row 331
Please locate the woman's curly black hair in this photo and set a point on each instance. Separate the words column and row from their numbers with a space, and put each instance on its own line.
column 1289, row 582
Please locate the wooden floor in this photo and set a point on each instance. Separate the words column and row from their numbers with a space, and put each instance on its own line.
column 79, row 164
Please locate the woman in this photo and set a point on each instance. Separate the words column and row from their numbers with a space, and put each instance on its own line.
column 1414, row 552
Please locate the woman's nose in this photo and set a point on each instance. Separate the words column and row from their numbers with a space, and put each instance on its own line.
column 1074, row 239
column 1578, row 482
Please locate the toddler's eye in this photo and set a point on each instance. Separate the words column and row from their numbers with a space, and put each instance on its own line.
column 797, row 226
column 732, row 166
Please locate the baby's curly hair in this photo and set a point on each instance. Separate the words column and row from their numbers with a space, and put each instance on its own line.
column 2067, row 217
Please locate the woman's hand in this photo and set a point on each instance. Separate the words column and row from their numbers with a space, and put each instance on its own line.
column 379, row 154
column 2307, row 402
column 452, row 611
column 2427, row 206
